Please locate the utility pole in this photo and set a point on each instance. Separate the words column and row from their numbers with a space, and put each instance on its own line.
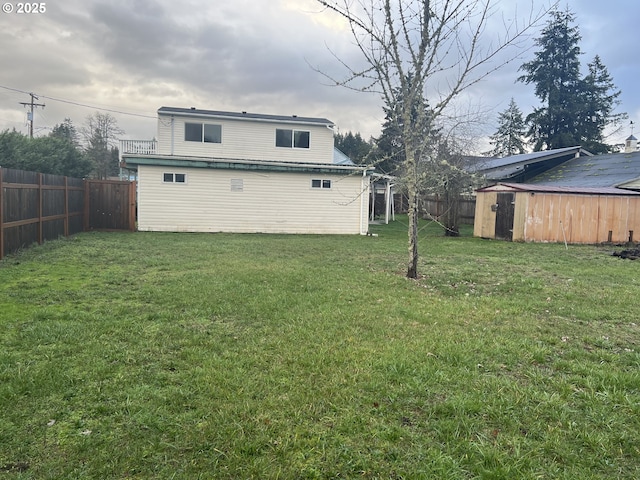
column 30, row 115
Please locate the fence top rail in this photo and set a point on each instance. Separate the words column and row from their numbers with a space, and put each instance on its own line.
column 23, row 177
column 111, row 182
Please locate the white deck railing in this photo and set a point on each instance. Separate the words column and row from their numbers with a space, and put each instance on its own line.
column 142, row 147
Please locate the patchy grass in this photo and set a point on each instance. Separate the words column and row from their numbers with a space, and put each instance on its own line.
column 187, row 356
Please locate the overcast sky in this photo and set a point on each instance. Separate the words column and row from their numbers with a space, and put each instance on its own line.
column 132, row 57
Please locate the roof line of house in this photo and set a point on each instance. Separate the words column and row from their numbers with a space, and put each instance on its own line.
column 194, row 112
column 238, row 164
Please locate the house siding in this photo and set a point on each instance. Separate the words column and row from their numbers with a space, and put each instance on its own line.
column 244, row 140
column 269, row 202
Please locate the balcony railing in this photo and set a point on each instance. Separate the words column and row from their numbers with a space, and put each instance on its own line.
column 142, row 147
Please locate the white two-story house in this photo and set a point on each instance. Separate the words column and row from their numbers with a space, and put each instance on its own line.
column 212, row 171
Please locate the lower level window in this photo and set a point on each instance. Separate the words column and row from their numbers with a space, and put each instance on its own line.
column 174, row 178
column 320, row 183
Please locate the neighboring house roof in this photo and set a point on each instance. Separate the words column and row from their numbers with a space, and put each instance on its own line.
column 244, row 116
column 611, row 170
column 515, row 166
column 528, row 187
column 339, row 158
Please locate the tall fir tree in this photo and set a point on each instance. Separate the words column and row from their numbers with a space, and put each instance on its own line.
column 576, row 110
column 66, row 131
column 600, row 98
column 510, row 138
column 555, row 71
column 390, row 145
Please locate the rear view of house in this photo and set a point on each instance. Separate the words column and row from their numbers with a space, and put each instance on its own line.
column 214, row 171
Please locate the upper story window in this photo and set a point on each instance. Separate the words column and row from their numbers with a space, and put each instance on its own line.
column 203, row 132
column 292, row 138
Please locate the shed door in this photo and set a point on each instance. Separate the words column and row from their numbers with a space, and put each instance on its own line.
column 504, row 216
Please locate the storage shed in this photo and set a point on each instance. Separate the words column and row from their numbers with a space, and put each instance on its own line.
column 540, row 213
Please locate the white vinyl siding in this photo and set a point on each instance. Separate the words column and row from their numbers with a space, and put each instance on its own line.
column 244, row 139
column 216, row 200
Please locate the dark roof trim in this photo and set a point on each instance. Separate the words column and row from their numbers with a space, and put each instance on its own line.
column 133, row 161
column 527, row 187
column 492, row 164
column 194, row 112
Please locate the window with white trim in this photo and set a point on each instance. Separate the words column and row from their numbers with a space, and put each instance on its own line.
column 174, row 177
column 320, row 183
column 203, row 132
column 292, row 138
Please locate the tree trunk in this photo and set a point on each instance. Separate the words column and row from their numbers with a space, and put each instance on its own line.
column 412, row 193
column 452, row 217
column 412, row 270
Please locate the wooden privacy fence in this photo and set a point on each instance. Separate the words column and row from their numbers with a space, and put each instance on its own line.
column 434, row 206
column 35, row 207
column 110, row 205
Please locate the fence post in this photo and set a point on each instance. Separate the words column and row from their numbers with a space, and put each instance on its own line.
column 1, row 219
column 40, row 240
column 66, row 206
column 132, row 205
column 86, row 205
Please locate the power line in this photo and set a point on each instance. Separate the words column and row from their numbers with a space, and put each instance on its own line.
column 78, row 104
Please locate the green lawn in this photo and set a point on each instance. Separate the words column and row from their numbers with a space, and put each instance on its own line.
column 184, row 356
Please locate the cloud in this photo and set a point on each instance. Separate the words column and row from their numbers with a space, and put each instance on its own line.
column 253, row 55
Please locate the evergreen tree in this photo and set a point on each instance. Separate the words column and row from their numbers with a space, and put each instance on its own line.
column 600, row 98
column 390, row 151
column 555, row 71
column 510, row 136
column 575, row 110
column 48, row 154
column 353, row 146
column 66, row 131
column 12, row 143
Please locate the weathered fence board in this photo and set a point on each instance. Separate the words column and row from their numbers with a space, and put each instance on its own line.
column 37, row 207
column 434, row 207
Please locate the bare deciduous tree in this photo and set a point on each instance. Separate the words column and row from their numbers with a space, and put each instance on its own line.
column 432, row 50
column 101, row 132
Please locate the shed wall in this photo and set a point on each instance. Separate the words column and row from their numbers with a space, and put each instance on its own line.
column 519, row 217
column 484, row 224
column 245, row 140
column 211, row 200
column 580, row 218
column 556, row 217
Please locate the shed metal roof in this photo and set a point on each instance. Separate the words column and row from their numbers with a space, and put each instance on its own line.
column 195, row 112
column 528, row 187
column 597, row 171
column 525, row 158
